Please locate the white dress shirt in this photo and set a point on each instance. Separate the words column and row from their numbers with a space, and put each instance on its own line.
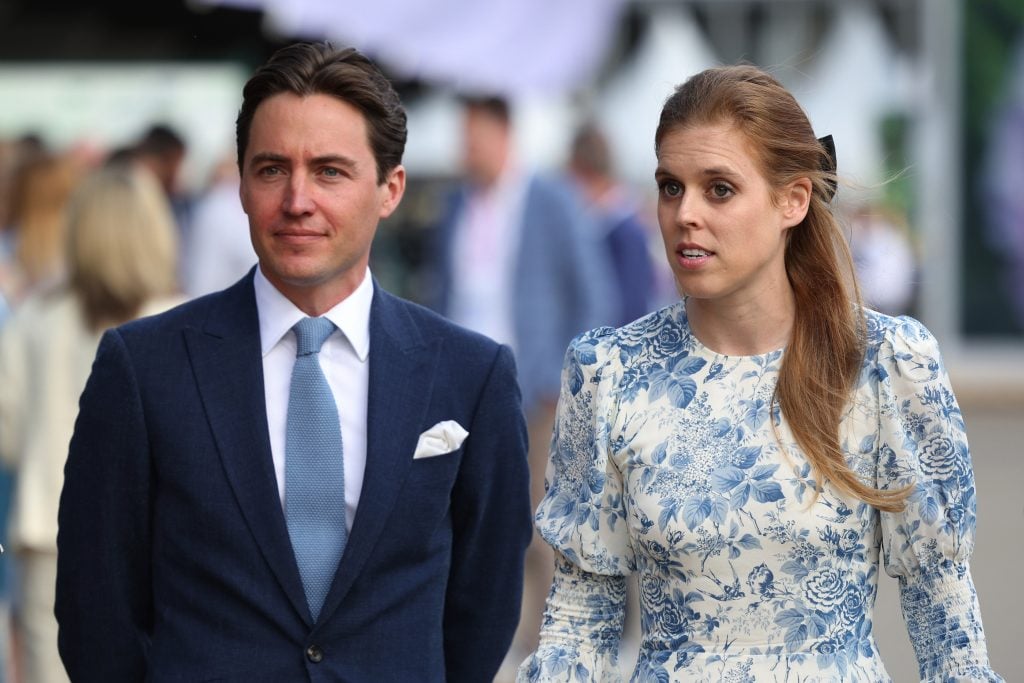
column 343, row 359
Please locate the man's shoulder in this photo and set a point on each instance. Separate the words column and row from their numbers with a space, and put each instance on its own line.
column 193, row 313
column 433, row 325
column 187, row 312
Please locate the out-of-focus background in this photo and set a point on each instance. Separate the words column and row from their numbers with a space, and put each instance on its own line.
column 924, row 98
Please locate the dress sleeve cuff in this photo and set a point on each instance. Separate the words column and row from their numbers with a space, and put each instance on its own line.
column 944, row 623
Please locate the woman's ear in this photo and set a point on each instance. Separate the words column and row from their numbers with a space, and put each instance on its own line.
column 796, row 198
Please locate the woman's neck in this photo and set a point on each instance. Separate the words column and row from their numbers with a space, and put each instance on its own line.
column 743, row 328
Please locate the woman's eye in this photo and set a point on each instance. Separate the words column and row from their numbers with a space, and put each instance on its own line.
column 721, row 191
column 671, row 188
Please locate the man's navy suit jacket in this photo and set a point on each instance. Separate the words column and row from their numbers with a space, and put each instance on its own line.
column 174, row 558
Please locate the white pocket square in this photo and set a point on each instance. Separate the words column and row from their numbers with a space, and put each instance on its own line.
column 444, row 437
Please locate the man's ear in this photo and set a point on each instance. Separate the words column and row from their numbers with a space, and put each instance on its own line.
column 392, row 189
column 796, row 198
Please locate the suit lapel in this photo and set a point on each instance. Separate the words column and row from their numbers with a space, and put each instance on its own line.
column 401, row 377
column 227, row 362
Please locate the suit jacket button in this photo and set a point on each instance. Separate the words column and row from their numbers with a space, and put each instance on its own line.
column 314, row 654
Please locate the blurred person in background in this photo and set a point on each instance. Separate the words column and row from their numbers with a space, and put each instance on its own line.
column 162, row 150
column 517, row 258
column 625, row 235
column 884, row 259
column 218, row 250
column 13, row 153
column 6, row 573
column 759, row 451
column 40, row 189
column 121, row 256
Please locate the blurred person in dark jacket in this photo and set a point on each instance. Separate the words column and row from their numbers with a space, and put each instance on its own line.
column 625, row 235
column 162, row 150
column 121, row 255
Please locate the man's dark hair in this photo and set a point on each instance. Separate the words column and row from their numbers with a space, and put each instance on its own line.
column 305, row 69
column 590, row 151
column 495, row 106
column 160, row 140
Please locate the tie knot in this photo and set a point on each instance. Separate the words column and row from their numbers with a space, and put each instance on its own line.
column 311, row 333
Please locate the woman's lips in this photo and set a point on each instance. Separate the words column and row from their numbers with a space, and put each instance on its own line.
column 692, row 257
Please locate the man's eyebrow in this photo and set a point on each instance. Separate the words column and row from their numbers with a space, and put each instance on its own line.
column 332, row 159
column 266, row 157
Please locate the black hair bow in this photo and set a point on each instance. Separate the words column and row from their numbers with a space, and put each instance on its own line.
column 829, row 165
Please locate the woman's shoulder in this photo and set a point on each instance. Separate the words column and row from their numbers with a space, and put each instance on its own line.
column 901, row 344
column 665, row 325
column 901, row 332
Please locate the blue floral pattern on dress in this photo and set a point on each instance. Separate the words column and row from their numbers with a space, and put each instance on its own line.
column 665, row 463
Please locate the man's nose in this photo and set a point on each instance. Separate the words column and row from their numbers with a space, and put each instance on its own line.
column 298, row 199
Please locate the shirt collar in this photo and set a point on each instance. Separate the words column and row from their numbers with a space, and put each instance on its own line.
column 278, row 315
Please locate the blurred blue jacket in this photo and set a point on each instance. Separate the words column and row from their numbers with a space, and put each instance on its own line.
column 563, row 280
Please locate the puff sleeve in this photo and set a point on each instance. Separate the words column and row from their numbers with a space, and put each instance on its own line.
column 927, row 546
column 582, row 518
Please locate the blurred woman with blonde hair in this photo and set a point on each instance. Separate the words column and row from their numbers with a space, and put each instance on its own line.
column 121, row 256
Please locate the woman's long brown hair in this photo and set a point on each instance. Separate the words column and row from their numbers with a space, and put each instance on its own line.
column 824, row 355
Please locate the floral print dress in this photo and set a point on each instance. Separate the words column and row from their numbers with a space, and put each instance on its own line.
column 664, row 463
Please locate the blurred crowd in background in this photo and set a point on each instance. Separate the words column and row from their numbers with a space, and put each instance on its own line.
column 94, row 233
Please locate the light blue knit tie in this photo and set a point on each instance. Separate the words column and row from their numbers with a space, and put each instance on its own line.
column 314, row 473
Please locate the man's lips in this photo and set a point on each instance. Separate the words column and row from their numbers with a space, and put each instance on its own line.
column 292, row 235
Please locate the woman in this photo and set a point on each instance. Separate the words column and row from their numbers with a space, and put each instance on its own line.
column 121, row 258
column 746, row 450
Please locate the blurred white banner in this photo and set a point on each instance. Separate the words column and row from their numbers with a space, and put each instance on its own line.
column 512, row 47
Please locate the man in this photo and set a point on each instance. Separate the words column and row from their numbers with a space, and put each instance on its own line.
column 518, row 259
column 209, row 494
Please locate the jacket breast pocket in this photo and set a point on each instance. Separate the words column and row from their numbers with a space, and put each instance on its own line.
column 435, row 469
